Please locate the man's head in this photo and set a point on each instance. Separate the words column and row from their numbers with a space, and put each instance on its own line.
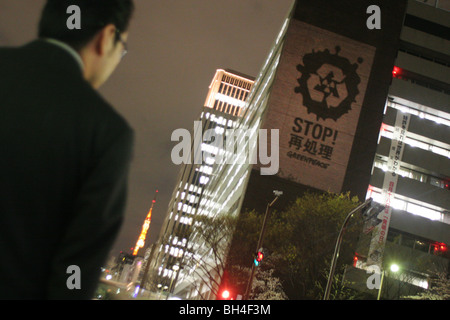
column 100, row 41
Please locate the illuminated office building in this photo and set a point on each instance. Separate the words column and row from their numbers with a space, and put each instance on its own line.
column 411, row 169
column 172, row 263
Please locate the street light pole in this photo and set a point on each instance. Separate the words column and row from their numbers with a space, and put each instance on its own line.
column 338, row 246
column 260, row 241
column 394, row 268
column 381, row 284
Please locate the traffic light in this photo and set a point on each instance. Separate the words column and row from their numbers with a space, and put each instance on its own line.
column 440, row 248
column 225, row 294
column 396, row 72
column 371, row 210
column 258, row 258
column 355, row 260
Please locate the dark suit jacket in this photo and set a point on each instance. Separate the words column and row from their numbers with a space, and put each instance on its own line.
column 64, row 158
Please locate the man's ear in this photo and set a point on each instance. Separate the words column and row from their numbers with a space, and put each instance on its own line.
column 105, row 39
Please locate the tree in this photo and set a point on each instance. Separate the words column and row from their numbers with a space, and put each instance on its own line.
column 439, row 288
column 415, row 267
column 304, row 236
column 340, row 288
column 438, row 285
column 242, row 252
column 266, row 285
column 207, row 261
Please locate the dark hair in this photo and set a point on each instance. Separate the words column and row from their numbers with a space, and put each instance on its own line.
column 95, row 15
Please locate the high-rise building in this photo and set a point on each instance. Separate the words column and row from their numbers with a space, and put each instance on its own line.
column 411, row 169
column 176, row 257
column 330, row 78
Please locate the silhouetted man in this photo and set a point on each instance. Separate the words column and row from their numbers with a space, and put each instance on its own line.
column 64, row 153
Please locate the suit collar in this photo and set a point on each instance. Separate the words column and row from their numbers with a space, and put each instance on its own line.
column 67, row 48
column 54, row 57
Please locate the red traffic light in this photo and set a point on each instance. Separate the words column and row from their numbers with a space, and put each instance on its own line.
column 258, row 258
column 440, row 247
column 396, row 72
column 225, row 294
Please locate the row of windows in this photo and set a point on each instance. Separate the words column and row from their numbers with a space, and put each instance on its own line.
column 227, row 108
column 176, row 241
column 184, row 220
column 190, row 197
column 410, row 205
column 416, row 243
column 440, row 4
column 194, row 188
column 427, row 26
column 421, row 80
column 218, row 120
column 183, row 207
column 425, row 112
column 424, row 53
column 405, row 172
column 233, row 92
column 237, row 82
column 166, row 273
column 418, row 141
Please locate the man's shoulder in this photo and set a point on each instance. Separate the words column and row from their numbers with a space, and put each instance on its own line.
column 8, row 53
column 52, row 70
column 4, row 48
column 95, row 106
column 15, row 51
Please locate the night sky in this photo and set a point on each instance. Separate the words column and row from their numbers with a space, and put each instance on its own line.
column 175, row 47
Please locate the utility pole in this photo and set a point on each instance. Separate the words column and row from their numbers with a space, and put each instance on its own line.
column 260, row 241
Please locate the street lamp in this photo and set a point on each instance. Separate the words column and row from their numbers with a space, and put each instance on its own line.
column 394, row 268
column 367, row 211
column 260, row 241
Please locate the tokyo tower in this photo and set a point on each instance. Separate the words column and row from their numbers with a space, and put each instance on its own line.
column 142, row 237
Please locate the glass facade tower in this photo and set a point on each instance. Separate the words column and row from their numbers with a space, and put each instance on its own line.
column 178, row 250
